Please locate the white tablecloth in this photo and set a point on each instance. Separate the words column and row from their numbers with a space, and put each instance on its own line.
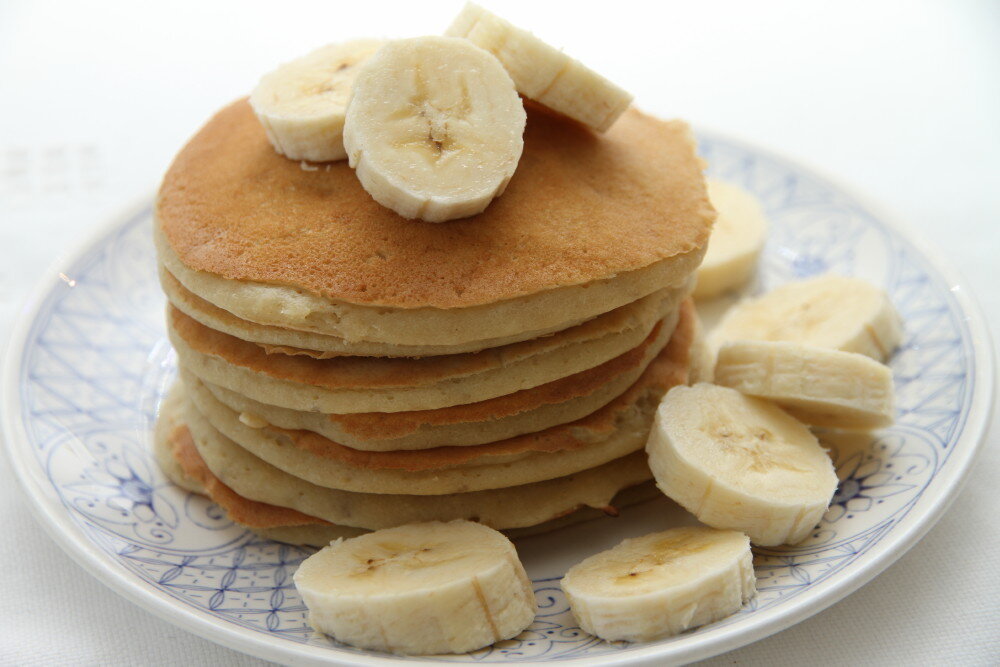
column 899, row 100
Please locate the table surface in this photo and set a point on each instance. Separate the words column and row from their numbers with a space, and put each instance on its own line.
column 900, row 101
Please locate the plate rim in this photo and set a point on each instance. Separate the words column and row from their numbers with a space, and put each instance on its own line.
column 74, row 542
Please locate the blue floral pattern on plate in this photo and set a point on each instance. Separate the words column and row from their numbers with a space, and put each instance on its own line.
column 95, row 364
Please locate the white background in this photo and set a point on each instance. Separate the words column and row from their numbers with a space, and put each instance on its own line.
column 900, row 101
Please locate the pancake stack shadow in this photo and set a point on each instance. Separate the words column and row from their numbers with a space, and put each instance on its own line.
column 342, row 369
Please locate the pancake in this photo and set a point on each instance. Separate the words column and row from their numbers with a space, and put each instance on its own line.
column 587, row 224
column 174, row 442
column 335, row 385
column 513, row 507
column 615, row 431
column 248, row 513
column 320, row 535
column 478, row 423
column 166, row 439
column 547, row 358
column 502, row 470
column 290, row 341
column 528, row 411
column 180, row 461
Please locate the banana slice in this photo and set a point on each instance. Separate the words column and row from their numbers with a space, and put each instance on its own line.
column 736, row 243
column 541, row 72
column 830, row 311
column 434, row 128
column 661, row 584
column 302, row 103
column 740, row 463
column 419, row 589
column 818, row 386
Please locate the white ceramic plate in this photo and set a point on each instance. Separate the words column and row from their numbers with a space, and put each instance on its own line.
column 89, row 364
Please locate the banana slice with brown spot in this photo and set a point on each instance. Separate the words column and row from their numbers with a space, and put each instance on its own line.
column 661, row 584
column 419, row 589
column 740, row 463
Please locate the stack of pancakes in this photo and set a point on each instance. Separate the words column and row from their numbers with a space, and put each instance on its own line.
column 344, row 369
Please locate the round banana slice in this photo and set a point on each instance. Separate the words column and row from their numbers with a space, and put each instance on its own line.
column 818, row 386
column 831, row 311
column 419, row 589
column 738, row 462
column 661, row 584
column 736, row 242
column 434, row 128
column 302, row 104
column 542, row 72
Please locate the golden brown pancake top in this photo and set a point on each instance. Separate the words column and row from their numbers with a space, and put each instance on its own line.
column 668, row 369
column 581, row 207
